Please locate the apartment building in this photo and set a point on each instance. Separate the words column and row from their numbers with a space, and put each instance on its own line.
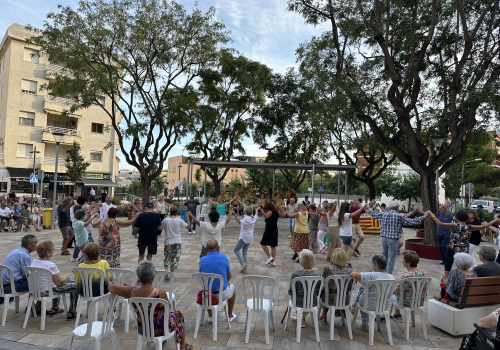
column 29, row 117
column 177, row 170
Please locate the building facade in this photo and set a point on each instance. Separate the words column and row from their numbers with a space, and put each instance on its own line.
column 29, row 117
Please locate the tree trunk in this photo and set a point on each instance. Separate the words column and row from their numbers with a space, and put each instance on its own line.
column 371, row 189
column 145, row 186
column 216, row 182
column 428, row 198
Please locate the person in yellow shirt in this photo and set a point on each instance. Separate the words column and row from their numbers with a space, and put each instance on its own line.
column 278, row 191
column 237, row 203
column 240, row 191
column 279, row 200
column 253, row 192
column 262, row 200
column 227, row 194
column 290, row 193
column 264, row 191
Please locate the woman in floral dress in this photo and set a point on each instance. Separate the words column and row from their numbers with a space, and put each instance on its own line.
column 410, row 262
column 109, row 237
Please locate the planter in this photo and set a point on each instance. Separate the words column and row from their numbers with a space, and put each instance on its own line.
column 420, row 233
column 423, row 251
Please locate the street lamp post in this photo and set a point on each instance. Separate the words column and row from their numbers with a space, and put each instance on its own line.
column 33, row 185
column 438, row 141
column 463, row 167
column 58, row 137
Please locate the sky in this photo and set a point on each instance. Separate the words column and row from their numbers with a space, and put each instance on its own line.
column 262, row 30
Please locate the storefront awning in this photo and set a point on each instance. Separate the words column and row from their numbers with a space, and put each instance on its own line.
column 19, row 172
column 98, row 182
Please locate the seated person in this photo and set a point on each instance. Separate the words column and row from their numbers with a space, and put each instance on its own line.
column 145, row 275
column 216, row 263
column 490, row 322
column 211, row 230
column 92, row 253
column 490, row 267
column 338, row 266
column 16, row 260
column 6, row 218
column 455, row 280
column 410, row 262
column 308, row 262
column 45, row 250
column 24, row 217
column 379, row 263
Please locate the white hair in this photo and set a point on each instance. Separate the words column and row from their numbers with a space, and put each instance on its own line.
column 463, row 261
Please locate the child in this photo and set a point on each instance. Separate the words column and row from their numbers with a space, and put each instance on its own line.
column 79, row 227
column 246, row 236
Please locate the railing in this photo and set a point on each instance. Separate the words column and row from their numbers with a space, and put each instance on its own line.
column 67, row 132
column 57, row 69
column 1, row 157
column 52, row 160
column 59, row 100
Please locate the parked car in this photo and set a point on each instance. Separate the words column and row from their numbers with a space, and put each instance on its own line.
column 488, row 206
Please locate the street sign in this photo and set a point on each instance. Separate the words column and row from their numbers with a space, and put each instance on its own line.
column 469, row 186
column 172, row 191
column 41, row 174
column 309, row 189
column 179, row 185
column 33, row 179
column 200, row 189
column 321, row 189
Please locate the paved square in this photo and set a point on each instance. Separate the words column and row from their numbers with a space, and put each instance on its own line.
column 58, row 329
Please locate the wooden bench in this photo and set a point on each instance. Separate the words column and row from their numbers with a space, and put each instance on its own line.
column 476, row 291
column 479, row 297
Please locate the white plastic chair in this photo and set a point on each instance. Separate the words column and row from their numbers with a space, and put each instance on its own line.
column 258, row 303
column 96, row 330
column 384, row 289
column 122, row 277
column 86, row 275
column 13, row 294
column 34, row 275
column 158, row 284
column 36, row 218
column 204, row 282
column 310, row 285
column 344, row 285
column 146, row 309
column 418, row 285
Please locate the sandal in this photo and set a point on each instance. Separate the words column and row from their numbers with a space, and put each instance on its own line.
column 73, row 315
column 325, row 322
column 55, row 311
column 187, row 347
column 65, row 253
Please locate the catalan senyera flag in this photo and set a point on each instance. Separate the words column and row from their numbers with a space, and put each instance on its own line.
column 369, row 224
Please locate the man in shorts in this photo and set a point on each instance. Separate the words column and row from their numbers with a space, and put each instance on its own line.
column 217, row 263
column 150, row 223
column 357, row 234
column 64, row 222
column 292, row 209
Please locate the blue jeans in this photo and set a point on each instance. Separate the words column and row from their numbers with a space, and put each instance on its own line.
column 364, row 315
column 244, row 247
column 389, row 251
column 192, row 226
column 291, row 224
column 21, row 286
column 443, row 244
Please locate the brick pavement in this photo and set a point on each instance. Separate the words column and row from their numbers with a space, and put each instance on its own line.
column 58, row 329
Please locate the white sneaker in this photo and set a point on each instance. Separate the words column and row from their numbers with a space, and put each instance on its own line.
column 272, row 264
column 231, row 319
column 290, row 236
column 74, row 259
column 209, row 320
column 243, row 267
column 190, row 232
column 269, row 260
column 194, row 232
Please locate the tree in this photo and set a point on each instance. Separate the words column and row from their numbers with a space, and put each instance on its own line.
column 228, row 94
column 158, row 186
column 287, row 126
column 142, row 56
column 401, row 186
column 411, row 70
column 76, row 165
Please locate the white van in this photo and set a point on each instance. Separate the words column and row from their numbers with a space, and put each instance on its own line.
column 488, row 206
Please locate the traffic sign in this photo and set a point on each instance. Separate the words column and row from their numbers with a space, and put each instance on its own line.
column 41, row 174
column 172, row 191
column 179, row 185
column 200, row 189
column 321, row 189
column 33, row 179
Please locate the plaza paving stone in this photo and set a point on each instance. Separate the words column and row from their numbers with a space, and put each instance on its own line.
column 58, row 329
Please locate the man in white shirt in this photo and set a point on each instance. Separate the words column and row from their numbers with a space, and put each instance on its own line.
column 211, row 229
column 246, row 236
column 5, row 217
column 105, row 207
column 92, row 194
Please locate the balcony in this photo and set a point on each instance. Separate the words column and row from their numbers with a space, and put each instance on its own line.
column 57, row 105
column 52, row 160
column 71, row 135
column 55, row 69
column 1, row 157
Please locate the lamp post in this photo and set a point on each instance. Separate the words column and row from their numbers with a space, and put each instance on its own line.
column 463, row 167
column 438, row 141
column 178, row 190
column 33, row 185
column 58, row 137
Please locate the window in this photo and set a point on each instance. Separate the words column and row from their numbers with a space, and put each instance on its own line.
column 24, row 149
column 58, row 124
column 28, row 86
column 232, row 170
column 27, row 118
column 100, row 101
column 96, row 156
column 30, row 55
column 97, row 128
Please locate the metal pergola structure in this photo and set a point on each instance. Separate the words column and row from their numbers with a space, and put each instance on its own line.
column 269, row 166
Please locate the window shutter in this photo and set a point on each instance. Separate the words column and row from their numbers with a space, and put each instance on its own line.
column 33, row 86
column 30, row 55
column 23, row 150
column 25, row 85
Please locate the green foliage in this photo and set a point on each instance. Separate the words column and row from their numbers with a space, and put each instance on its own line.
column 197, row 175
column 288, row 126
column 401, row 186
column 143, row 57
column 158, row 186
column 76, row 166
